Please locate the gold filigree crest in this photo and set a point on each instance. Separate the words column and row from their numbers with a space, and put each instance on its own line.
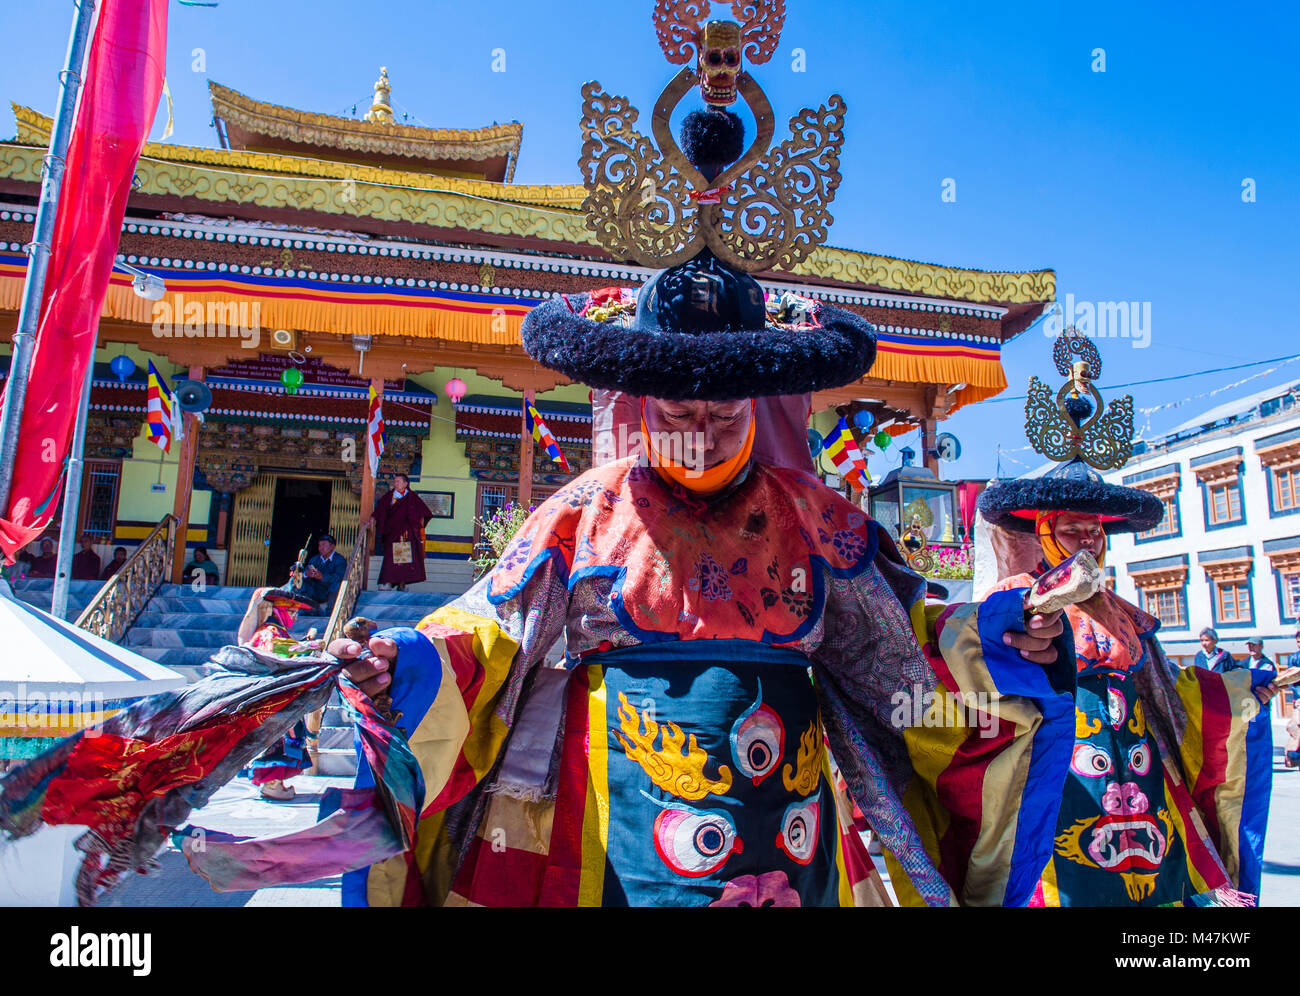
column 647, row 202
column 1075, row 422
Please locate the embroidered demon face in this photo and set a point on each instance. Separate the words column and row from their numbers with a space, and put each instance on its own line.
column 740, row 826
column 1112, row 812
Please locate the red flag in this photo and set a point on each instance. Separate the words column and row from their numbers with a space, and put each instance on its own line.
column 122, row 85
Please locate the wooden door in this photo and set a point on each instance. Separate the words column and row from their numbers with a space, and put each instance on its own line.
column 246, row 564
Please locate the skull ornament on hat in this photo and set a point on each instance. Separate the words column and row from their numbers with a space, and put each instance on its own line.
column 706, row 212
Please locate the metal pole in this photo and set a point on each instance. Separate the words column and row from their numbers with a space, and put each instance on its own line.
column 39, row 252
column 71, row 500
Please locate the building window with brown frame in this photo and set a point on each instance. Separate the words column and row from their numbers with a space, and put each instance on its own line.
column 1286, row 488
column 1162, row 589
column 1279, row 455
column 1228, row 572
column 1219, row 475
column 1232, row 601
column 1163, row 482
column 1169, row 605
column 1284, row 557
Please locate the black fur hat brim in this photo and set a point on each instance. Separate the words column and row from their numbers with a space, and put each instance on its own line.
column 701, row 366
column 1071, row 488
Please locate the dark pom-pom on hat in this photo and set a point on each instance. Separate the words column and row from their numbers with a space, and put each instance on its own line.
column 712, row 140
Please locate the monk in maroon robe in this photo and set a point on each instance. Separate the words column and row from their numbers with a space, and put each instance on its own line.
column 399, row 518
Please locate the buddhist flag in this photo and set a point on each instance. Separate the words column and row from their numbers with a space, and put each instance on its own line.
column 848, row 459
column 543, row 435
column 160, row 404
column 375, row 431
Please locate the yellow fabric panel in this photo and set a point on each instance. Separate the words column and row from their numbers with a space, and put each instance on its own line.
column 1230, row 795
column 595, row 818
column 495, row 650
column 436, row 742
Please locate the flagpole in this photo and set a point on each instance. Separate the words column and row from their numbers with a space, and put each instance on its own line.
column 72, row 500
column 29, row 314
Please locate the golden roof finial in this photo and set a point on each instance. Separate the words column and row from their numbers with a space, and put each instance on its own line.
column 381, row 109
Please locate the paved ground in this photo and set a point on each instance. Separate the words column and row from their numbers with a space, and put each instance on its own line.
column 1281, row 885
column 237, row 808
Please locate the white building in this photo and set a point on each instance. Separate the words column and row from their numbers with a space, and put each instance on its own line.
column 1227, row 554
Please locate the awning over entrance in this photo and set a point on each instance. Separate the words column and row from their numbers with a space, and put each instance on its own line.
column 227, row 303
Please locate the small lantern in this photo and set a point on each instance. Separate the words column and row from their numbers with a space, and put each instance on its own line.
column 913, row 500
column 456, row 389
column 122, row 366
column 291, row 379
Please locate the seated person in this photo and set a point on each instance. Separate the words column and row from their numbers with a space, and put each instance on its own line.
column 203, row 562
column 114, row 565
column 85, row 564
column 43, row 566
column 325, row 573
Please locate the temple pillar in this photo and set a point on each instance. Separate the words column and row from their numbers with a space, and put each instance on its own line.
column 526, row 451
column 185, row 483
column 368, row 483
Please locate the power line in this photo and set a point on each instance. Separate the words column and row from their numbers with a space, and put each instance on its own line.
column 1159, row 380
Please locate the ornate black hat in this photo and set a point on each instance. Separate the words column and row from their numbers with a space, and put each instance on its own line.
column 1077, row 428
column 712, row 211
column 290, row 598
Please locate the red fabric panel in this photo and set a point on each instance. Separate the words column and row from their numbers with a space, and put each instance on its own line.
column 123, row 81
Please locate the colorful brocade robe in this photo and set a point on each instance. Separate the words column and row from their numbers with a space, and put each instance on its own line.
column 1153, row 781
column 723, row 658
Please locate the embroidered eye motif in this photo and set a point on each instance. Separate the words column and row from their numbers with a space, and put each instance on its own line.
column 694, row 843
column 1139, row 758
column 1090, row 761
column 758, row 740
column 799, row 826
column 1117, row 706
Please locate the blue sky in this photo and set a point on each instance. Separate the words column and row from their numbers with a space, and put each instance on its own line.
column 1128, row 183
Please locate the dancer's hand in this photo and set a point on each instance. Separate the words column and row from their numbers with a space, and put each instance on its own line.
column 1035, row 644
column 371, row 674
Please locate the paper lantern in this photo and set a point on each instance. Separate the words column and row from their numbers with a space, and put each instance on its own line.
column 863, row 419
column 881, row 440
column 291, row 379
column 456, row 389
column 122, row 366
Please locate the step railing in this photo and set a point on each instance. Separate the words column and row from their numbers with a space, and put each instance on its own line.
column 354, row 582
column 123, row 596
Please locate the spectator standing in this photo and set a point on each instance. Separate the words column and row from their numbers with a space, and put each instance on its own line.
column 400, row 517
column 1213, row 657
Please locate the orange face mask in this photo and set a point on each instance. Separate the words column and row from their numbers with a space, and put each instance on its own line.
column 1053, row 552
column 709, row 480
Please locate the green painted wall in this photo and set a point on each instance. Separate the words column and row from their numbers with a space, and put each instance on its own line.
column 444, row 464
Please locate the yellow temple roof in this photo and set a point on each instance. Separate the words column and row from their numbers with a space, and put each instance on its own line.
column 377, row 136
column 548, row 213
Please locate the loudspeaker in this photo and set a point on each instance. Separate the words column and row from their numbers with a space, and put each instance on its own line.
column 193, row 395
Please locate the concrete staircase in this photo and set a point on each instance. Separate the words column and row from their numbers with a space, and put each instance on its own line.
column 181, row 628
